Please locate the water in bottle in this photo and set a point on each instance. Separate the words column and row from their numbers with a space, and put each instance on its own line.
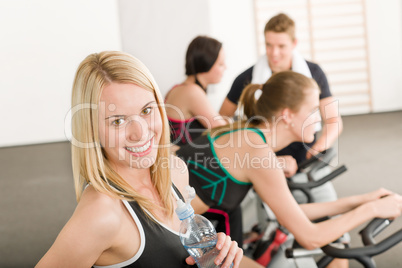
column 197, row 234
column 204, row 252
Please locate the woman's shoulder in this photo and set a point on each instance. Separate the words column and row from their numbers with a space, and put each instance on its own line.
column 100, row 210
column 246, row 138
column 188, row 89
column 95, row 198
column 255, row 142
column 186, row 93
column 95, row 223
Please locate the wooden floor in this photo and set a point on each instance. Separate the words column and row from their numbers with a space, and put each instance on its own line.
column 37, row 195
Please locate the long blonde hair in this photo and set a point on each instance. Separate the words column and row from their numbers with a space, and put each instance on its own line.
column 90, row 165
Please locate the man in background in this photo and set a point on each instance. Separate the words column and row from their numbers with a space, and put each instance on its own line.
column 280, row 43
column 281, row 55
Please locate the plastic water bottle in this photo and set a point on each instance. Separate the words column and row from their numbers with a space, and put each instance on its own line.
column 197, row 234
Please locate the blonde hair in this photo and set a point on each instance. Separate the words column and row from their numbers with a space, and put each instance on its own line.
column 281, row 23
column 90, row 165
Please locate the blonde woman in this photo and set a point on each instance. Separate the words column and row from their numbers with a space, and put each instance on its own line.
column 125, row 177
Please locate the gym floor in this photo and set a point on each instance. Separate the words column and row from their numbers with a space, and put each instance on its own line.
column 37, row 195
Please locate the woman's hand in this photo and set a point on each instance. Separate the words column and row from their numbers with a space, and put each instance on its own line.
column 317, row 148
column 289, row 165
column 387, row 207
column 229, row 251
column 377, row 194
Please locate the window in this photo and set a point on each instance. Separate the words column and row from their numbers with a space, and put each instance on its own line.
column 332, row 33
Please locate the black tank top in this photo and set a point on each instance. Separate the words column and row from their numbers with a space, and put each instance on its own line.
column 216, row 187
column 160, row 246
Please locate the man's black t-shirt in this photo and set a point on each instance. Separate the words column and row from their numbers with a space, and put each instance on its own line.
column 297, row 149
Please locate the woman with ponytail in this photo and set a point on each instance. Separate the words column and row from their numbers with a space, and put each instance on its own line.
column 226, row 162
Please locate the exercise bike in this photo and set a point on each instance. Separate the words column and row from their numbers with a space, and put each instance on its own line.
column 363, row 255
column 273, row 246
column 265, row 238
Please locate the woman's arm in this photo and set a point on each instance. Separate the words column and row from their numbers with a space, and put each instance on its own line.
column 228, row 108
column 271, row 186
column 318, row 210
column 332, row 126
column 89, row 232
column 201, row 108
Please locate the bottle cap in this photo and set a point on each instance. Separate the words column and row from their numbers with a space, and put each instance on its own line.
column 184, row 210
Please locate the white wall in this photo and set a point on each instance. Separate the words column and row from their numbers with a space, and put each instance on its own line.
column 158, row 33
column 42, row 43
column 233, row 24
column 384, row 23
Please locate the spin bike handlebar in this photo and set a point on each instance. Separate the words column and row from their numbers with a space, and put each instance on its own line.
column 310, row 167
column 319, row 160
column 364, row 254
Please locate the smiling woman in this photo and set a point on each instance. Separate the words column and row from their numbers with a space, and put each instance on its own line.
column 125, row 193
column 130, row 130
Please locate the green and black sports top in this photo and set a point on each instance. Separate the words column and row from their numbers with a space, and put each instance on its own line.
column 213, row 183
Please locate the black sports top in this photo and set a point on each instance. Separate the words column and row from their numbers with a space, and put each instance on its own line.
column 215, row 186
column 160, row 246
column 183, row 132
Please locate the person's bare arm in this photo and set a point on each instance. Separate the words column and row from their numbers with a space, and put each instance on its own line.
column 270, row 184
column 201, row 108
column 318, row 210
column 288, row 164
column 228, row 108
column 88, row 233
column 332, row 126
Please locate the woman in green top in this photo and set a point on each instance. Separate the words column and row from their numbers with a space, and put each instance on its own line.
column 227, row 161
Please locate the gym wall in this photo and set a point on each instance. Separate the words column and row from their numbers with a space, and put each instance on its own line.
column 44, row 41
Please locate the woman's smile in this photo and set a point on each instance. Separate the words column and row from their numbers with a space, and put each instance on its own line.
column 141, row 150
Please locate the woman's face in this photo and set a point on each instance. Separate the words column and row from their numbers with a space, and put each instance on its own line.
column 306, row 119
column 130, row 125
column 215, row 74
